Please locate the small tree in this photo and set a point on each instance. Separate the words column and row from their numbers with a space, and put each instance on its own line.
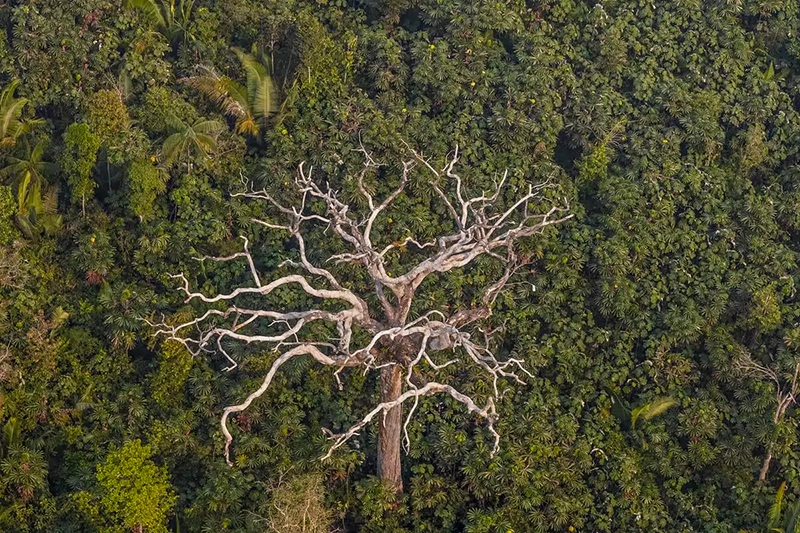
column 190, row 140
column 78, row 161
column 298, row 506
column 385, row 339
column 145, row 183
column 133, row 494
column 29, row 175
column 786, row 387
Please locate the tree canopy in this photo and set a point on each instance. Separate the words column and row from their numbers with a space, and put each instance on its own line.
column 654, row 331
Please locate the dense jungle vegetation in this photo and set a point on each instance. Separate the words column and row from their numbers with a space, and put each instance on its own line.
column 660, row 324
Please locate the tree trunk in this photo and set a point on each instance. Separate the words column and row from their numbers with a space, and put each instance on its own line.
column 390, row 429
column 765, row 467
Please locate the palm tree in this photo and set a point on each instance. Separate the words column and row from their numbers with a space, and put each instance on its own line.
column 43, row 219
column 28, row 176
column 11, row 127
column 170, row 20
column 198, row 138
column 249, row 104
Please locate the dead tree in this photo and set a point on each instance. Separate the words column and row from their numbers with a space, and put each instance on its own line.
column 397, row 346
column 785, row 394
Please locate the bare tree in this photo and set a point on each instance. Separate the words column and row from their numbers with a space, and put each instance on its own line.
column 785, row 394
column 397, row 346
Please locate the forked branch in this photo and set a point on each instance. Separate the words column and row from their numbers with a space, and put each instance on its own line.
column 485, row 225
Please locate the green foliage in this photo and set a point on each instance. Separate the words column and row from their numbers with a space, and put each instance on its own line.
column 78, row 160
column 10, row 434
column 93, row 254
column 42, row 220
column 250, row 104
column 765, row 313
column 671, row 128
column 24, row 471
column 651, row 409
column 108, row 118
column 628, row 416
column 123, row 304
column 8, row 207
column 791, row 517
column 145, row 183
column 11, row 124
column 175, row 361
column 28, row 175
column 158, row 104
column 171, row 19
column 298, row 506
column 189, row 141
column 132, row 494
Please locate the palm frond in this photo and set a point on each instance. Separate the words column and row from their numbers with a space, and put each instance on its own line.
column 265, row 102
column 151, row 8
column 775, row 510
column 254, row 70
column 792, row 522
column 619, row 409
column 7, row 94
column 260, row 87
column 27, row 126
column 13, row 170
column 50, row 200
column 175, row 123
column 658, row 406
column 11, row 127
column 207, row 126
column 185, row 9
column 11, row 432
column 50, row 223
column 205, row 143
column 247, row 124
column 172, row 147
column 24, row 190
column 237, row 103
column 11, row 111
column 26, row 226
column 257, row 100
column 223, row 91
column 124, row 85
column 37, row 152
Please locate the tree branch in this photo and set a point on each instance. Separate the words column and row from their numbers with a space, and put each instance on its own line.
column 482, row 228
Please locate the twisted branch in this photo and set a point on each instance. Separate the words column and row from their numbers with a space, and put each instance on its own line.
column 481, row 229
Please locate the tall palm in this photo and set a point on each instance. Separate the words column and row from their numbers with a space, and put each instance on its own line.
column 197, row 139
column 28, row 175
column 251, row 104
column 11, row 127
column 169, row 19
